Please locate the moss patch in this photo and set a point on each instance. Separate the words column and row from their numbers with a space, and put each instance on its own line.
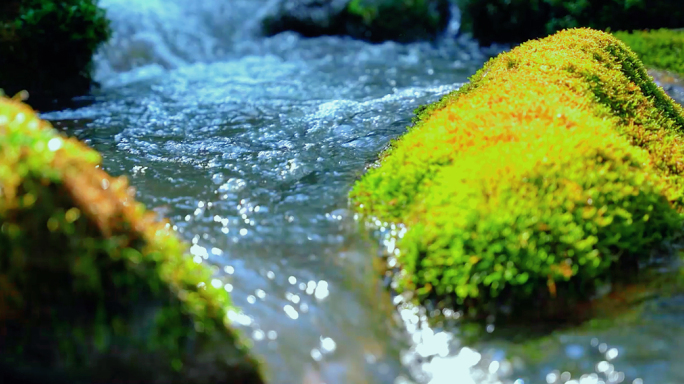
column 660, row 49
column 556, row 167
column 91, row 285
column 46, row 46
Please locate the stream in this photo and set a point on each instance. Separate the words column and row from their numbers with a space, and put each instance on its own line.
column 249, row 145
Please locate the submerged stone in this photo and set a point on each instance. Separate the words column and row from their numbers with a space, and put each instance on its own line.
column 371, row 20
column 558, row 168
column 92, row 287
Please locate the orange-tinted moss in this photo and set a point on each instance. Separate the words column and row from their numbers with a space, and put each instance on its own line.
column 91, row 277
column 558, row 164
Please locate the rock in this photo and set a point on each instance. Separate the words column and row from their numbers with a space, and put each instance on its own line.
column 672, row 83
column 371, row 20
column 557, row 169
column 309, row 18
column 92, row 287
column 46, row 46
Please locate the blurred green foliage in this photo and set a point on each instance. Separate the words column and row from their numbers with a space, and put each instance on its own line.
column 660, row 49
column 46, row 46
column 515, row 21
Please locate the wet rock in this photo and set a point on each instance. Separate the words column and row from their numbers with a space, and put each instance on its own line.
column 672, row 83
column 307, row 17
column 371, row 20
column 93, row 288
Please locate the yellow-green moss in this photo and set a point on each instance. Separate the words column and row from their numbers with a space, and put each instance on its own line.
column 557, row 165
column 91, row 284
column 660, row 49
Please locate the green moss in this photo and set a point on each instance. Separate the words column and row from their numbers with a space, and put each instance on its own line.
column 559, row 165
column 46, row 46
column 91, row 284
column 515, row 21
column 660, row 49
column 401, row 20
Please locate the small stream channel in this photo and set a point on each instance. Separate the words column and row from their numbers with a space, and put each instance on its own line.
column 250, row 146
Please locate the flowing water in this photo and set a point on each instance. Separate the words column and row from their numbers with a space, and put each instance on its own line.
column 250, row 146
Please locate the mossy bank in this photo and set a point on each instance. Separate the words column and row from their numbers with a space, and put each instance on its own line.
column 505, row 21
column 92, row 286
column 557, row 168
column 46, row 46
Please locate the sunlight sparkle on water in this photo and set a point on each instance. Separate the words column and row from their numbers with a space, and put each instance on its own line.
column 291, row 312
column 321, row 290
column 328, row 345
column 258, row 335
column 55, row 144
column 238, row 318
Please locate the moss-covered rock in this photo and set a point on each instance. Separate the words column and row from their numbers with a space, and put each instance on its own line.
column 92, row 286
column 558, row 165
column 46, row 46
column 372, row 20
column 660, row 49
column 515, row 21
